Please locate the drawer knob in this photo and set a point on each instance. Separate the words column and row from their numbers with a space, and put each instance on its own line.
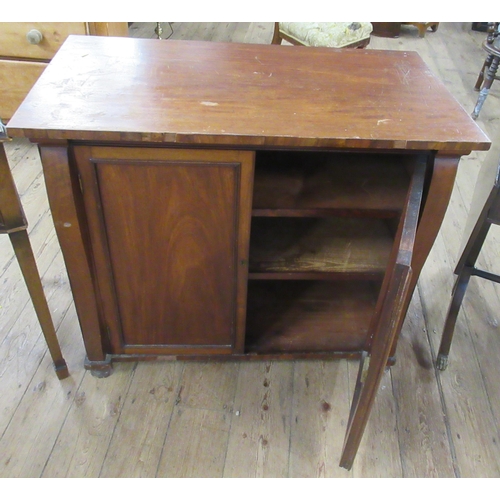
column 34, row 37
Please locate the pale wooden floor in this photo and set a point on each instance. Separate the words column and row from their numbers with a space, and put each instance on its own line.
column 281, row 419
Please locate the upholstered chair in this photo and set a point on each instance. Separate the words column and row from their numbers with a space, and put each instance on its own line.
column 335, row 35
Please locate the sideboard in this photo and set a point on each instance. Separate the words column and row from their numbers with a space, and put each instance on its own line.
column 232, row 201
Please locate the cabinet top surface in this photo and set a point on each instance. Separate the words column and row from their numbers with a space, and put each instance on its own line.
column 190, row 92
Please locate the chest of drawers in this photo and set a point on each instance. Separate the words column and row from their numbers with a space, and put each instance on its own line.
column 26, row 48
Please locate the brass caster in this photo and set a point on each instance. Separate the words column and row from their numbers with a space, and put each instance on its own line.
column 442, row 362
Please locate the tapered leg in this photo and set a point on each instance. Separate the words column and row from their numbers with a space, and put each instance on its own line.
column 13, row 223
column 24, row 253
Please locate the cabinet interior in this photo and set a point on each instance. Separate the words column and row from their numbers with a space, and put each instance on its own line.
column 322, row 231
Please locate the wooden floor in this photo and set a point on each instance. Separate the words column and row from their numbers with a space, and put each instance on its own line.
column 274, row 419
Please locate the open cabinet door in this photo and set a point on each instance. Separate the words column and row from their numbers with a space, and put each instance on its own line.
column 388, row 317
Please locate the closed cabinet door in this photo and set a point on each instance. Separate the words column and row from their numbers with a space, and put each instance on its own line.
column 168, row 233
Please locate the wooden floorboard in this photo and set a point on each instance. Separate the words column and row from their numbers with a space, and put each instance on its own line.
column 260, row 419
column 259, row 447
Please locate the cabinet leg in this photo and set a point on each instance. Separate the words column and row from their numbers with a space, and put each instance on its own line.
column 64, row 197
column 437, row 199
column 100, row 369
column 24, row 253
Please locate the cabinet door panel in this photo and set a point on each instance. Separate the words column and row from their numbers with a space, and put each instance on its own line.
column 170, row 259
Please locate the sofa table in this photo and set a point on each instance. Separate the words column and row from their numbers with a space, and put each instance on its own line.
column 236, row 201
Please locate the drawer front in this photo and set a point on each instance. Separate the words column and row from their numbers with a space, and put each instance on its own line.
column 47, row 38
column 16, row 80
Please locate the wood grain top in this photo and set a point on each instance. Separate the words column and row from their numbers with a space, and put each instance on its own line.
column 190, row 92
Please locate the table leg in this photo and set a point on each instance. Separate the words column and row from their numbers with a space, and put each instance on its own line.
column 14, row 224
column 26, row 259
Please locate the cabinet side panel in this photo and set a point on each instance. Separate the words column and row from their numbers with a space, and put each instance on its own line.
column 171, row 229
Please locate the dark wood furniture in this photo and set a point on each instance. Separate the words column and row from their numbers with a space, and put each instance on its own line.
column 387, row 30
column 232, row 201
column 393, row 30
column 13, row 222
column 484, row 211
column 489, row 69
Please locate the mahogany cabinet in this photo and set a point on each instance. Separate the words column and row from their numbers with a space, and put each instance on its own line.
column 194, row 254
column 232, row 201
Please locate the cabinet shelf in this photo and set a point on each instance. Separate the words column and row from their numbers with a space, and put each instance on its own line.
column 319, row 248
column 309, row 316
column 290, row 184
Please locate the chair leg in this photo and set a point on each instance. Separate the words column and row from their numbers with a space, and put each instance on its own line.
column 422, row 28
column 451, row 317
column 276, row 35
column 483, row 94
column 480, row 77
column 464, row 270
column 24, row 253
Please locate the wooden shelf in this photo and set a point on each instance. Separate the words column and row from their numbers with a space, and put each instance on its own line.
column 319, row 248
column 309, row 316
column 321, row 184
